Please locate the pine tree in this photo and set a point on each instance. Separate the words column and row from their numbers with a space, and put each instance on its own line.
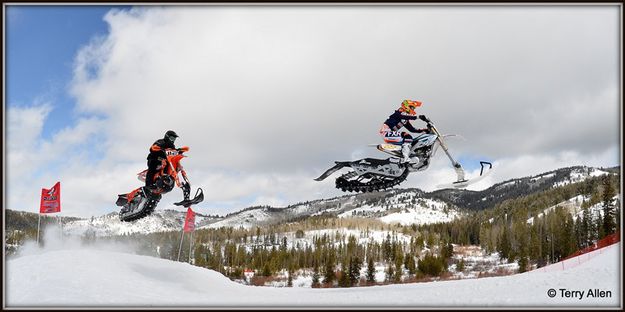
column 535, row 252
column 390, row 272
column 328, row 276
column 523, row 264
column 609, row 225
column 344, row 277
column 578, row 233
column 315, row 277
column 503, row 245
column 290, row 278
column 370, row 270
column 586, row 228
column 398, row 268
column 354, row 271
column 447, row 251
column 410, row 265
column 460, row 266
column 266, row 269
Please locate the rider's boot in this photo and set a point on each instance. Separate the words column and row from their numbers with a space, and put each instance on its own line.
column 405, row 151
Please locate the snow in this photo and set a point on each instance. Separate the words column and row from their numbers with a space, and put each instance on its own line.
column 477, row 261
column 245, row 219
column 546, row 176
column 362, row 237
column 581, row 174
column 109, row 224
column 71, row 275
column 406, row 208
column 401, row 209
column 574, row 207
column 506, row 184
column 421, row 215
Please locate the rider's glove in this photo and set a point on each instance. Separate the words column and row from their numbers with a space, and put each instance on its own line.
column 422, row 117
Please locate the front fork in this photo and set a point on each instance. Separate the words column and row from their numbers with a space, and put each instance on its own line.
column 456, row 165
column 186, row 186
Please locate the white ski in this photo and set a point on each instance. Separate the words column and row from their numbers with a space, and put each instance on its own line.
column 466, row 182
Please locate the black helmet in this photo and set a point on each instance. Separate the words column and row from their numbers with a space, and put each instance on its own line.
column 170, row 136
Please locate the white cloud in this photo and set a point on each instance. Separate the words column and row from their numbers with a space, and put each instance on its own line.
column 24, row 128
column 34, row 162
column 267, row 97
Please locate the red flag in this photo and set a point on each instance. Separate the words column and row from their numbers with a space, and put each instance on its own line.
column 51, row 199
column 189, row 221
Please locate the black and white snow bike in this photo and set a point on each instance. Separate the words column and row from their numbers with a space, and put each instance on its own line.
column 371, row 174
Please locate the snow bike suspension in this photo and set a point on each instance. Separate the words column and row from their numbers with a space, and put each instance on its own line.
column 376, row 182
column 140, row 206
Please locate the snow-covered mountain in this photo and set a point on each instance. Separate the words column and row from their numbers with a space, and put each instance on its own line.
column 574, row 207
column 409, row 206
column 404, row 206
column 109, row 224
column 393, row 206
column 479, row 200
column 95, row 277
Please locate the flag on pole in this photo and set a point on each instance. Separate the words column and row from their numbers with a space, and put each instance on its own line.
column 51, row 199
column 189, row 221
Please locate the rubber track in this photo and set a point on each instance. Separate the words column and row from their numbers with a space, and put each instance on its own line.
column 150, row 206
column 343, row 183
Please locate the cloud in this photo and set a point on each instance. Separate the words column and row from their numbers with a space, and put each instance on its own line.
column 267, row 97
column 35, row 162
column 25, row 123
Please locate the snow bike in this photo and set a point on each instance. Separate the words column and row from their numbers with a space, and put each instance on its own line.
column 371, row 174
column 141, row 201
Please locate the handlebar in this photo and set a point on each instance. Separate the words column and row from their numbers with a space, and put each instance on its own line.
column 178, row 150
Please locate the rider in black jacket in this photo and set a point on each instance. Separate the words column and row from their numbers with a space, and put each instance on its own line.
column 157, row 155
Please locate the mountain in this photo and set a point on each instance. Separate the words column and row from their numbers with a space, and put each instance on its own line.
column 404, row 206
column 24, row 221
column 513, row 188
column 574, row 207
column 411, row 206
column 109, row 224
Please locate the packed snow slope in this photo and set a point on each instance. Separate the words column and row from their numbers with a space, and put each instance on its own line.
column 82, row 277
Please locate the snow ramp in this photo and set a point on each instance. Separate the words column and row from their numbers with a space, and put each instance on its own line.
column 83, row 278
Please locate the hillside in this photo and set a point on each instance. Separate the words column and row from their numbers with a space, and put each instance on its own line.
column 403, row 206
column 104, row 278
column 514, row 188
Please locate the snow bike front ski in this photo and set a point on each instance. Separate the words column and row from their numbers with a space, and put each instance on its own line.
column 142, row 201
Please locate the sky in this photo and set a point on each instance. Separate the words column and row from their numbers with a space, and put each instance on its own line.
column 268, row 97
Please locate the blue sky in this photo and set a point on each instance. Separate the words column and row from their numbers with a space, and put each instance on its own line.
column 268, row 97
column 42, row 42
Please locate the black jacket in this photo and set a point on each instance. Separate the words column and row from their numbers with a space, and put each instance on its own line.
column 398, row 120
column 157, row 150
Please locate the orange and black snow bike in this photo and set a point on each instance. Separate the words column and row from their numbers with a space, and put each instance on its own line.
column 142, row 201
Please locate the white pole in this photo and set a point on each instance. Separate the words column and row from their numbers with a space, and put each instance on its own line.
column 38, row 226
column 190, row 243
column 180, row 248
